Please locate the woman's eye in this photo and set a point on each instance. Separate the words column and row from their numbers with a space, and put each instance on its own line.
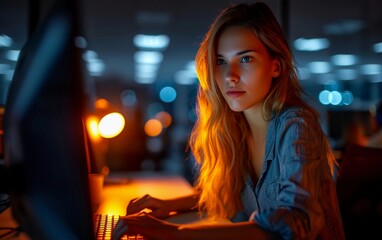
column 246, row 59
column 220, row 61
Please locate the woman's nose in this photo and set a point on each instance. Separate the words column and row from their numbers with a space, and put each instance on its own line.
column 232, row 74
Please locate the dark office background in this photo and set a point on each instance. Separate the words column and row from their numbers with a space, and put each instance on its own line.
column 337, row 45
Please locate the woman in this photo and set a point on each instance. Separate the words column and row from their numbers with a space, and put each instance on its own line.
column 264, row 161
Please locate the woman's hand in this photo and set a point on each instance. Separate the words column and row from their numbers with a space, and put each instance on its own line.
column 159, row 208
column 146, row 225
column 137, row 221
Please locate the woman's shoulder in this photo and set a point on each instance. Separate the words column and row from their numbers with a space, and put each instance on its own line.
column 297, row 123
column 301, row 113
column 297, row 119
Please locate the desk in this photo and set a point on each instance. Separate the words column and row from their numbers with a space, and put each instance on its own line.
column 120, row 188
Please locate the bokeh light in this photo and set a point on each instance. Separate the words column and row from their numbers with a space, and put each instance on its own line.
column 111, row 125
column 324, row 97
column 153, row 127
column 347, row 98
column 167, row 94
column 102, row 103
column 335, row 97
column 165, row 118
column 129, row 97
column 92, row 127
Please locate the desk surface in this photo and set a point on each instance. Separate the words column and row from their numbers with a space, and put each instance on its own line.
column 120, row 189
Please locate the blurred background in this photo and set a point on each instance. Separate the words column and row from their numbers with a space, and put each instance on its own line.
column 139, row 58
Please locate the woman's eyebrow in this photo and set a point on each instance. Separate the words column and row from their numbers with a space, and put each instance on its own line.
column 245, row 51
column 239, row 53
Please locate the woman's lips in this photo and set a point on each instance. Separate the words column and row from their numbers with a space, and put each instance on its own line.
column 235, row 93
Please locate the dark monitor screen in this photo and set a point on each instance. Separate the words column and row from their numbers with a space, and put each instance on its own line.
column 45, row 152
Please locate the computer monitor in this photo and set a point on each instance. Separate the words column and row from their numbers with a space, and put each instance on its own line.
column 45, row 152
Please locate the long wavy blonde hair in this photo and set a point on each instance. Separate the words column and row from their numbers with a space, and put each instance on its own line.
column 218, row 139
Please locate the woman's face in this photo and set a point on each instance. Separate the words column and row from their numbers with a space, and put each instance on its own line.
column 243, row 69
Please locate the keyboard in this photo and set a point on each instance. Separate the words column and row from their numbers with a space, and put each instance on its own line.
column 104, row 226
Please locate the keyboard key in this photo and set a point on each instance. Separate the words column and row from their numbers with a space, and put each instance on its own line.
column 104, row 226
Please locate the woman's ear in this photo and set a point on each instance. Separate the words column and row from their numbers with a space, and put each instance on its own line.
column 276, row 68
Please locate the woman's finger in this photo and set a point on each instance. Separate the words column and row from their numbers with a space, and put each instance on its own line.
column 120, row 229
column 138, row 204
column 146, row 202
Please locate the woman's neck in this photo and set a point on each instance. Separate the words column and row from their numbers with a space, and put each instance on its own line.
column 256, row 140
column 257, row 124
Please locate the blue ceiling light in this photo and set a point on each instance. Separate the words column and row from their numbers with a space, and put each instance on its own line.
column 5, row 41
column 319, row 67
column 377, row 47
column 344, row 59
column 157, row 42
column 313, row 44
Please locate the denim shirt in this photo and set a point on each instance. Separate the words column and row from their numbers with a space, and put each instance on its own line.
column 285, row 198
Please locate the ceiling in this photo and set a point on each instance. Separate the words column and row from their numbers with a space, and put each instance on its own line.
column 351, row 27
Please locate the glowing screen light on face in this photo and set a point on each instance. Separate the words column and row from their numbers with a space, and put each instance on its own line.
column 111, row 125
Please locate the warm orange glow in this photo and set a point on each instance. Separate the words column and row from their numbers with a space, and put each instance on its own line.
column 92, row 127
column 153, row 127
column 116, row 197
column 101, row 103
column 165, row 118
column 111, row 125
